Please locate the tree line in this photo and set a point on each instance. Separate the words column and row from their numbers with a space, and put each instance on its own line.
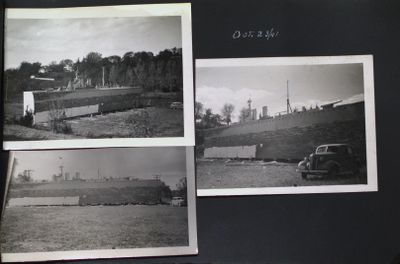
column 161, row 72
column 205, row 118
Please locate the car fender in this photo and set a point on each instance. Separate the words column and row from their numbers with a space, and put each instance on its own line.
column 302, row 164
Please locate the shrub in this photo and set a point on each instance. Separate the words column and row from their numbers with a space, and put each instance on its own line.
column 199, row 151
column 57, row 118
column 60, row 126
column 27, row 119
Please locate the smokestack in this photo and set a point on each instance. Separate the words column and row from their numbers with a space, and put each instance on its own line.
column 254, row 114
column 265, row 111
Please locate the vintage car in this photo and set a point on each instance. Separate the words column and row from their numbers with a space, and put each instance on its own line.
column 177, row 201
column 176, row 105
column 330, row 160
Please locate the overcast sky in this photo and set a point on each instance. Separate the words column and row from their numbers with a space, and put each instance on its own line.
column 266, row 86
column 46, row 40
column 142, row 163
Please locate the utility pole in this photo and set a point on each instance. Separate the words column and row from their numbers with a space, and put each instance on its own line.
column 6, row 86
column 61, row 168
column 103, row 76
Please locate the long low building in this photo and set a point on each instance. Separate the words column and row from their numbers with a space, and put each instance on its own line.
column 43, row 201
column 238, row 152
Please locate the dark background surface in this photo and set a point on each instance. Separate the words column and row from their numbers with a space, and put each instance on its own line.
column 301, row 228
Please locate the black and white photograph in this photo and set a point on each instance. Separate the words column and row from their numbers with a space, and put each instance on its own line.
column 99, row 203
column 285, row 125
column 111, row 76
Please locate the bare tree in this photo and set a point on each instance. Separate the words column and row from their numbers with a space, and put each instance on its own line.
column 210, row 120
column 227, row 111
column 198, row 110
column 181, row 187
column 25, row 176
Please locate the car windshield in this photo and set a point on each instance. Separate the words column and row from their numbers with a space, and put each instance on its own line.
column 321, row 149
column 331, row 149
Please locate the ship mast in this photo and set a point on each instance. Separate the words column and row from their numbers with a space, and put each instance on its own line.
column 62, row 172
column 61, row 168
column 288, row 107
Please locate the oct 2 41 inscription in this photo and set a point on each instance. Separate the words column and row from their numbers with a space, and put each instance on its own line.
column 255, row 34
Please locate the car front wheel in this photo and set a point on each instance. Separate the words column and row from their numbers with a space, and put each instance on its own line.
column 333, row 172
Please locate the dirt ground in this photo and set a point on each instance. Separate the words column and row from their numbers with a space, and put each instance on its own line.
column 247, row 174
column 52, row 228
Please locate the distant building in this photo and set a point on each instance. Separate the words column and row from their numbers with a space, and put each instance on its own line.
column 77, row 176
column 43, row 70
column 264, row 111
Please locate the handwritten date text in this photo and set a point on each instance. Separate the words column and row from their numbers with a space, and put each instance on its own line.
column 255, row 34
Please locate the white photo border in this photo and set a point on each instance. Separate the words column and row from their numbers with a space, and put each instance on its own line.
column 10, row 171
column 369, row 109
column 181, row 9
column 191, row 249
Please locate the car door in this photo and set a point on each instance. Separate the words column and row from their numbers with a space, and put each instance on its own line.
column 345, row 158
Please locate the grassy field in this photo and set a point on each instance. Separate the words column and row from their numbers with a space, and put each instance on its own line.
column 144, row 122
column 17, row 132
column 218, row 174
column 134, row 123
column 13, row 111
column 38, row 229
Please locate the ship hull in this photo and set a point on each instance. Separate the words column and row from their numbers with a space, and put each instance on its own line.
column 289, row 137
column 48, row 105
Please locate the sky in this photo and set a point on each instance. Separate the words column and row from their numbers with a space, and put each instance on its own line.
column 267, row 86
column 142, row 163
column 47, row 40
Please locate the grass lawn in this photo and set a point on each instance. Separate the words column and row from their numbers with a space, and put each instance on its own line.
column 53, row 228
column 143, row 122
column 217, row 174
column 134, row 123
